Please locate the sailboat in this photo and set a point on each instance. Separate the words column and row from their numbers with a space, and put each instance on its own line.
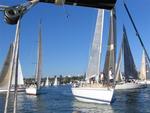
column 5, row 74
column 55, row 81
column 128, row 80
column 36, row 88
column 94, row 92
column 47, row 82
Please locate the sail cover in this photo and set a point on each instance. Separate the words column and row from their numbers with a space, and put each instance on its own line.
column 129, row 65
column 110, row 59
column 95, row 53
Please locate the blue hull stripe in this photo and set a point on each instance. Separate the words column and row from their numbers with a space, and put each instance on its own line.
column 93, row 99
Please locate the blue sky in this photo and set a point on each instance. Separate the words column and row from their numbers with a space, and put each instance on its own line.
column 66, row 41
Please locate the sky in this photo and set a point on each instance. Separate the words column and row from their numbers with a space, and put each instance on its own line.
column 67, row 33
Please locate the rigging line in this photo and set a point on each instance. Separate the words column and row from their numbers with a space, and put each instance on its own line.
column 137, row 33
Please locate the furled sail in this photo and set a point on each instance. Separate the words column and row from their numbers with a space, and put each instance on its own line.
column 94, row 58
column 39, row 61
column 110, row 59
column 129, row 65
column 5, row 72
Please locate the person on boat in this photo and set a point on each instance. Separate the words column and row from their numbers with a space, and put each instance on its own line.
column 110, row 75
column 102, row 78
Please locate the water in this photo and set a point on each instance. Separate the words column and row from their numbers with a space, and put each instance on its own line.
column 137, row 101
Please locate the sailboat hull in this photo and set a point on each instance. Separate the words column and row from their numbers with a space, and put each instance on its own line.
column 129, row 86
column 34, row 91
column 93, row 95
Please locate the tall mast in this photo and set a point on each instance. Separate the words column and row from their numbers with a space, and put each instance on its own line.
column 14, row 69
column 110, row 59
column 95, row 54
column 39, row 60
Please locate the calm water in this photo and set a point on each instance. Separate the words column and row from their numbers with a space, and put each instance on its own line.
column 54, row 101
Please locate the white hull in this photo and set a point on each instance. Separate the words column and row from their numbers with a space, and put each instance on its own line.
column 148, row 82
column 93, row 95
column 129, row 86
column 35, row 91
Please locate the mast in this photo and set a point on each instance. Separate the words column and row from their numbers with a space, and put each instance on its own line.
column 95, row 54
column 39, row 60
column 14, row 69
column 129, row 65
column 110, row 59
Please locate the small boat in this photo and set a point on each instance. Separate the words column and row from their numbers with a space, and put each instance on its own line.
column 36, row 89
column 56, row 81
column 47, row 82
column 91, row 91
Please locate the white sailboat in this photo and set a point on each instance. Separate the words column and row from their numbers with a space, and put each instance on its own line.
column 55, row 81
column 36, row 88
column 130, row 73
column 47, row 82
column 91, row 92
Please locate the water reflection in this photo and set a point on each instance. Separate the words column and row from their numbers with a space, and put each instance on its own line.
column 136, row 101
column 91, row 108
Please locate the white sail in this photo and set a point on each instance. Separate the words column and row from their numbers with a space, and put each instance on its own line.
column 20, row 76
column 94, row 59
column 47, row 82
column 39, row 61
column 55, row 81
column 143, row 69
